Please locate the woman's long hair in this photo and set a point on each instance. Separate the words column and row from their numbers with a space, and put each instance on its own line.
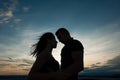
column 41, row 44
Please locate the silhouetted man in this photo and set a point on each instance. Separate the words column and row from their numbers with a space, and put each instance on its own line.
column 71, row 54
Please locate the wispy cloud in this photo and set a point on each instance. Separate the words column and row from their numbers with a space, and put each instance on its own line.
column 26, row 9
column 7, row 11
column 28, row 61
column 4, row 65
column 21, row 65
column 12, row 65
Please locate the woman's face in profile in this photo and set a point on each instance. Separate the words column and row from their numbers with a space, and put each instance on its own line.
column 53, row 42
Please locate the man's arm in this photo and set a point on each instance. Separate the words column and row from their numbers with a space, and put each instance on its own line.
column 77, row 65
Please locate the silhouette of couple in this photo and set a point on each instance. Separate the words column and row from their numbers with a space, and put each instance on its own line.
column 47, row 68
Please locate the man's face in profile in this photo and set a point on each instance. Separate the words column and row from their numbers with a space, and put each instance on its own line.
column 61, row 37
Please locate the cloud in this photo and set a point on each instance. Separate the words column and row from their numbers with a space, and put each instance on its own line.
column 7, row 10
column 9, row 14
column 6, row 60
column 3, row 65
column 114, row 60
column 17, row 20
column 111, row 68
column 27, row 61
column 27, row 70
column 114, row 64
column 19, row 61
column 10, row 59
column 26, row 9
column 21, row 65
column 15, row 65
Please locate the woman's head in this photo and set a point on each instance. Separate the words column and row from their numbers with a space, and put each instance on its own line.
column 46, row 39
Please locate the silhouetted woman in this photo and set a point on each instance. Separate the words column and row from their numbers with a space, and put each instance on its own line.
column 45, row 67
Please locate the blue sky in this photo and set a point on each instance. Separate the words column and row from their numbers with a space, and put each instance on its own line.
column 96, row 23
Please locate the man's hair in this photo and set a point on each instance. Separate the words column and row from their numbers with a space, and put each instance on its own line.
column 63, row 31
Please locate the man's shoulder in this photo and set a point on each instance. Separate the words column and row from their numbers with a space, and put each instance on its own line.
column 76, row 42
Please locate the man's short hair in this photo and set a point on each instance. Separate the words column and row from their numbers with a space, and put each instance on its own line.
column 63, row 31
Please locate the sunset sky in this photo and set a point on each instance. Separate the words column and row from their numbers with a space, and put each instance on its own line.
column 96, row 23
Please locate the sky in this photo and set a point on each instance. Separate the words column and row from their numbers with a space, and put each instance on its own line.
column 95, row 23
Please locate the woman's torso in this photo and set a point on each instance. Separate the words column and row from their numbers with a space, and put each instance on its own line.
column 50, row 66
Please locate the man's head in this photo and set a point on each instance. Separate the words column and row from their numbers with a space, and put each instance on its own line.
column 63, row 35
